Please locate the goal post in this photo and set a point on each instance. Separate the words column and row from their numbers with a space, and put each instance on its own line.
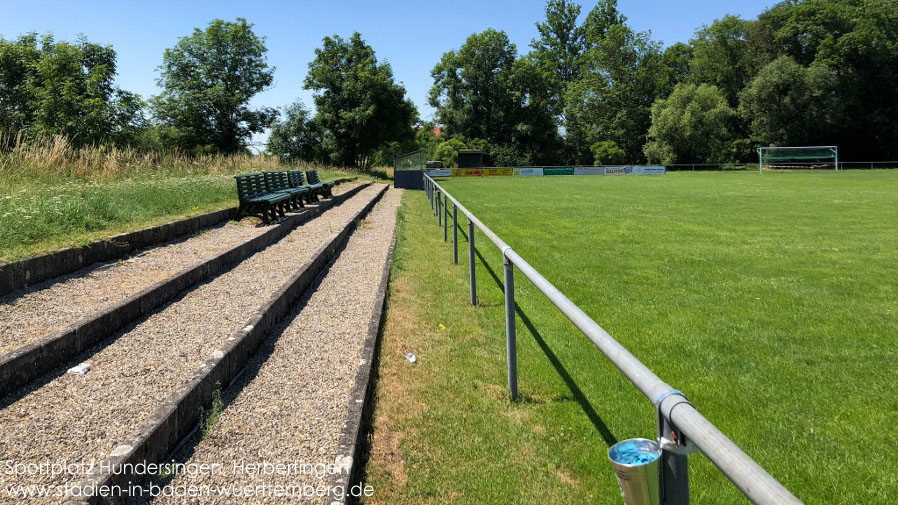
column 799, row 158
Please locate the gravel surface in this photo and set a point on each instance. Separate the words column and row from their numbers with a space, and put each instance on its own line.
column 39, row 310
column 70, row 418
column 292, row 401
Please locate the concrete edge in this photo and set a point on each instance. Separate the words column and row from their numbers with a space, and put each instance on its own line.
column 353, row 437
column 21, row 274
column 178, row 414
column 23, row 365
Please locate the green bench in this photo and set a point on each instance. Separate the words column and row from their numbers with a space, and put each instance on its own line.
column 279, row 182
column 297, row 180
column 326, row 187
column 256, row 200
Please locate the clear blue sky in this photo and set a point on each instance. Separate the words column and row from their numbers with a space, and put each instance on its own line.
column 410, row 35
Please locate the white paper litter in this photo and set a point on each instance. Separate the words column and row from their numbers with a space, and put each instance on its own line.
column 411, row 357
column 80, row 369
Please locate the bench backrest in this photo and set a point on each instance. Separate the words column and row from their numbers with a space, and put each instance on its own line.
column 276, row 181
column 250, row 185
column 297, row 178
column 313, row 177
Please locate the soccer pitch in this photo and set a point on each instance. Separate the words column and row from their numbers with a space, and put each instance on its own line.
column 770, row 300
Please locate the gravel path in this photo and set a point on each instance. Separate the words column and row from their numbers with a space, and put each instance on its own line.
column 292, row 401
column 39, row 310
column 71, row 418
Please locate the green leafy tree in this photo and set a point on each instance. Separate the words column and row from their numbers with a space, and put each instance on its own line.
column 62, row 88
column 17, row 61
column 621, row 77
column 857, row 40
column 599, row 20
column 359, row 105
column 676, row 60
column 484, row 91
column 606, row 152
column 208, row 79
column 447, row 152
column 558, row 49
column 296, row 136
column 787, row 104
column 692, row 125
column 720, row 57
column 471, row 88
column 534, row 138
column 427, row 140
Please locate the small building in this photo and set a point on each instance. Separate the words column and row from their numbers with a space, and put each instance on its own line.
column 470, row 158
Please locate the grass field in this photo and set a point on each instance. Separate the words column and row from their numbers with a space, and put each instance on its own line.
column 770, row 300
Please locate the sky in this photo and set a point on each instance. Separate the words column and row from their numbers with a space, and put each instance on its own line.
column 411, row 36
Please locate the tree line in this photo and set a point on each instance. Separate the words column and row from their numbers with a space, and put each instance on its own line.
column 811, row 72
column 54, row 88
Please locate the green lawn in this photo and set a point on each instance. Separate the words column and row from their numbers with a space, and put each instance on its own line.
column 770, row 299
column 41, row 214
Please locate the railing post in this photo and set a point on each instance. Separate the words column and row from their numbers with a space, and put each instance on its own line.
column 471, row 263
column 674, row 465
column 445, row 218
column 439, row 210
column 455, row 233
column 511, row 349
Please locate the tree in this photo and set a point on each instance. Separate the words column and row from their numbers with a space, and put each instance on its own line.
column 676, row 60
column 692, row 125
column 208, row 79
column 857, row 40
column 17, row 61
column 359, row 105
column 483, row 91
column 787, row 104
column 621, row 76
column 606, row 152
column 296, row 136
column 558, row 49
column 470, row 90
column 720, row 57
column 62, row 88
column 600, row 19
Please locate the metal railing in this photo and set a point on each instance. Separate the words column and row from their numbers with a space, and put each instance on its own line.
column 678, row 420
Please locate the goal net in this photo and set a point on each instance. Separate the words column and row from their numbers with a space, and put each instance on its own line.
column 798, row 158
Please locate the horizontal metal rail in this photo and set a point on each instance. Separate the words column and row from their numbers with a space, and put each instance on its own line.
column 757, row 485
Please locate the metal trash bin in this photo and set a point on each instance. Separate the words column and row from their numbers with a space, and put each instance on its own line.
column 636, row 464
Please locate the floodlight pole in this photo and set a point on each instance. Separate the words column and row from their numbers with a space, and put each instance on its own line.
column 836, row 153
column 761, row 159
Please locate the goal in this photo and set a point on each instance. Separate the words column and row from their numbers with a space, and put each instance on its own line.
column 798, row 158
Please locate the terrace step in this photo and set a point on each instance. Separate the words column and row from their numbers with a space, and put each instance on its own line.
column 64, row 417
column 300, row 397
column 44, row 325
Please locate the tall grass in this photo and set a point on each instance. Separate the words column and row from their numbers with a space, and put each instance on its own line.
column 58, row 157
column 55, row 194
